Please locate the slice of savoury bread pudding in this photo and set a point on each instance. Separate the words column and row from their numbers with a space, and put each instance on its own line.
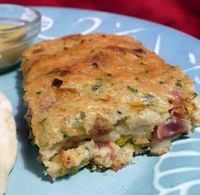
column 100, row 99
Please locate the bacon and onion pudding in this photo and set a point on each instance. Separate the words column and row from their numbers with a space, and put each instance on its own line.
column 100, row 99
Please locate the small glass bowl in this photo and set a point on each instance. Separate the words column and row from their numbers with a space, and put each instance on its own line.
column 18, row 27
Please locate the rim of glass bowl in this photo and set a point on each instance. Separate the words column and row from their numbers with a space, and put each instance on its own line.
column 28, row 24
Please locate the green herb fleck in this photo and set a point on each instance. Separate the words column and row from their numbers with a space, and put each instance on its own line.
column 79, row 125
column 77, row 121
column 82, row 128
column 42, row 121
column 194, row 94
column 148, row 98
column 97, row 85
column 74, row 171
column 82, row 115
column 179, row 83
column 131, row 89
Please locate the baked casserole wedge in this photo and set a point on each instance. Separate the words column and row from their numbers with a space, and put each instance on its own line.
column 100, row 99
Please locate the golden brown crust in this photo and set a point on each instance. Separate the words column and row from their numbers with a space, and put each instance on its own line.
column 99, row 55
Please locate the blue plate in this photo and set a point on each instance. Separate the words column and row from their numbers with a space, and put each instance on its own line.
column 177, row 172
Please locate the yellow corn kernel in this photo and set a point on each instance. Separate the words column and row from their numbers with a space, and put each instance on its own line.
column 190, row 107
column 123, row 140
column 137, row 106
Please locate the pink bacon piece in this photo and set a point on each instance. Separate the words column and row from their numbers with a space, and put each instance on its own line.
column 172, row 127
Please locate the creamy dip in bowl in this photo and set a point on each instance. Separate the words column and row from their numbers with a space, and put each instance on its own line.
column 19, row 25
